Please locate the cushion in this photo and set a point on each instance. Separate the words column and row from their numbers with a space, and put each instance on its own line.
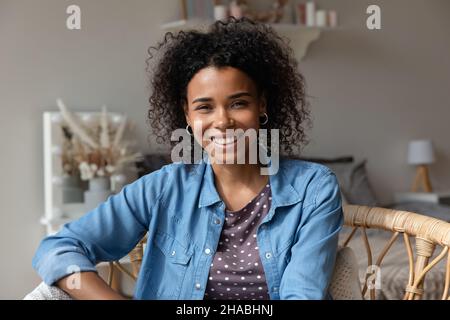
column 46, row 292
column 345, row 284
column 354, row 182
column 151, row 162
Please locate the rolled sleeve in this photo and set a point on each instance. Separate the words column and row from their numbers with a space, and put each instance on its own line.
column 313, row 255
column 106, row 233
column 61, row 262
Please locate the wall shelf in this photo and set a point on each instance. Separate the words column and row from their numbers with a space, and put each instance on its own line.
column 300, row 37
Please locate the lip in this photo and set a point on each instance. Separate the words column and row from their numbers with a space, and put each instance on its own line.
column 225, row 141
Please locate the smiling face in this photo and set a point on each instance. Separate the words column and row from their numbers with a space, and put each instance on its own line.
column 220, row 99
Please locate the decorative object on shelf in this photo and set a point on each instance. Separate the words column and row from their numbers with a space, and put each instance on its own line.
column 99, row 190
column 295, row 21
column 71, row 184
column 310, row 8
column 184, row 10
column 220, row 12
column 72, row 189
column 321, row 18
column 100, row 149
column 75, row 147
column 236, row 10
column 198, row 9
column 279, row 12
column 101, row 153
column 308, row 14
column 332, row 19
column 421, row 154
column 239, row 9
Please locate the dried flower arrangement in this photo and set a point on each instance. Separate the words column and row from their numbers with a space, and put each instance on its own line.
column 95, row 151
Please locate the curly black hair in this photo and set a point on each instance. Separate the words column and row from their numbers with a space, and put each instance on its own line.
column 251, row 47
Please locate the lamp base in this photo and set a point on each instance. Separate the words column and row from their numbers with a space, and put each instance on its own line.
column 422, row 179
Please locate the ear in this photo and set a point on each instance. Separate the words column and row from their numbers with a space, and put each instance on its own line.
column 186, row 113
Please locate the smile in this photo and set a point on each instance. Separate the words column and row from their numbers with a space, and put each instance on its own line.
column 224, row 141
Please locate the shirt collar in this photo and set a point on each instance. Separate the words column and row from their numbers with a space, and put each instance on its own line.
column 283, row 193
column 208, row 192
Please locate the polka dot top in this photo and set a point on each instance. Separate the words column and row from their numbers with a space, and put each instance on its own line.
column 236, row 271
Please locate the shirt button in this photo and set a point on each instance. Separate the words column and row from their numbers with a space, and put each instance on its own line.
column 198, row 286
column 208, row 251
column 173, row 252
column 268, row 255
column 275, row 289
column 217, row 221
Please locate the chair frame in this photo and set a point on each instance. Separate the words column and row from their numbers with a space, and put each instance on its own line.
column 428, row 233
column 136, row 255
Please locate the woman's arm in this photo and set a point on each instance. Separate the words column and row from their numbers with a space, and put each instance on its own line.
column 87, row 286
column 107, row 233
column 310, row 269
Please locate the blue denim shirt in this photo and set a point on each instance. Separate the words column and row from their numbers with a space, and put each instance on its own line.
column 183, row 214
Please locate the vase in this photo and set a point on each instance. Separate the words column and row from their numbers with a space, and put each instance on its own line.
column 220, row 12
column 72, row 192
column 236, row 10
column 99, row 190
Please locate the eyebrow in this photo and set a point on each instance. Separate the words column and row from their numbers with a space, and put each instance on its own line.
column 233, row 96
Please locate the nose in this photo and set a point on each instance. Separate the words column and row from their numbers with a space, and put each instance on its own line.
column 223, row 120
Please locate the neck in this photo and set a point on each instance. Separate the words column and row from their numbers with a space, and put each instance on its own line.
column 238, row 175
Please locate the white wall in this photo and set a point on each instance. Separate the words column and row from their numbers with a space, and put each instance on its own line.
column 373, row 92
column 376, row 90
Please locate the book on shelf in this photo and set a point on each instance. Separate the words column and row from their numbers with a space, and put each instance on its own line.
column 198, row 9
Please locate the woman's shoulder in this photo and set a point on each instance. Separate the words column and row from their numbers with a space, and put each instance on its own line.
column 309, row 179
column 298, row 167
column 169, row 171
column 170, row 178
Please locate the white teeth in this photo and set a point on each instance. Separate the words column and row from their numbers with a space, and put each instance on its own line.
column 227, row 140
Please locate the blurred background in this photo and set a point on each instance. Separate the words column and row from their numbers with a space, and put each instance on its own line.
column 372, row 94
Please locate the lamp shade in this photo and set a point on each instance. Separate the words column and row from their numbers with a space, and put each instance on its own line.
column 420, row 152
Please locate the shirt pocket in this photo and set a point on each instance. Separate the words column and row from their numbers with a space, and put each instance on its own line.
column 170, row 261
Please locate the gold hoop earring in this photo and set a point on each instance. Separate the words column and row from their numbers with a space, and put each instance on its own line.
column 266, row 120
column 187, row 130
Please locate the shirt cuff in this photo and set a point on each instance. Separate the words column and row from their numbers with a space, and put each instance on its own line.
column 62, row 262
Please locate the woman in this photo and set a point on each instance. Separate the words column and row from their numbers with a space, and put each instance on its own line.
column 216, row 230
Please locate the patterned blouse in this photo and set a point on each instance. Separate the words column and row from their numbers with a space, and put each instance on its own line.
column 236, row 271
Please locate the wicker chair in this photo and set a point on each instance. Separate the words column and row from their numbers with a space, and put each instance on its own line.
column 135, row 257
column 428, row 233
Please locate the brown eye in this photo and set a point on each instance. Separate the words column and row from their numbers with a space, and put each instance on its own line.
column 202, row 107
column 239, row 104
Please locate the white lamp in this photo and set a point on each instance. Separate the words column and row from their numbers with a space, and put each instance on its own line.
column 421, row 154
